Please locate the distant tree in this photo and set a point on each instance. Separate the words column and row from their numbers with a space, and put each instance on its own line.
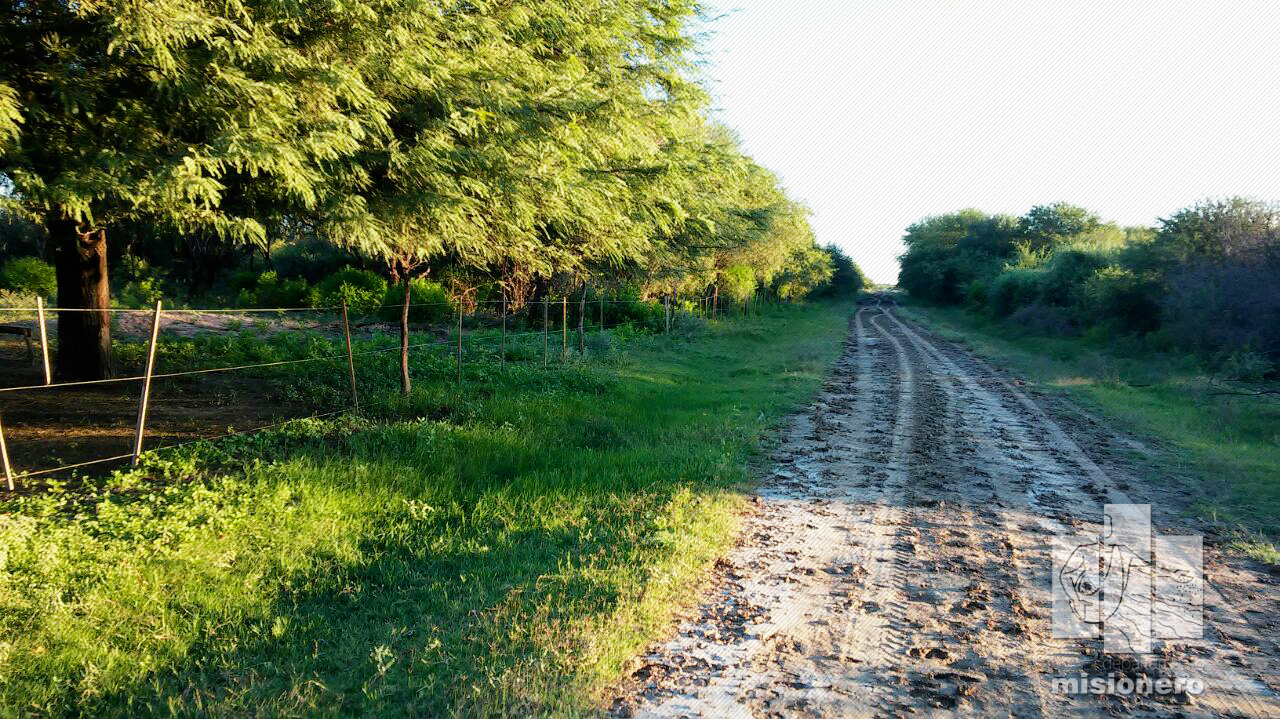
column 1046, row 226
column 1220, row 229
column 846, row 278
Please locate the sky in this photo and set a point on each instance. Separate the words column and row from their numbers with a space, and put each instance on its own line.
column 878, row 113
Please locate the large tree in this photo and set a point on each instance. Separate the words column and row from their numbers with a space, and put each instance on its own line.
column 158, row 111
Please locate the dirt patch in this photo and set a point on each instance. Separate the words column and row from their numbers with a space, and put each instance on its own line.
column 48, row 428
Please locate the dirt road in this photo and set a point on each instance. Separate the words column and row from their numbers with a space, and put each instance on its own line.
column 898, row 563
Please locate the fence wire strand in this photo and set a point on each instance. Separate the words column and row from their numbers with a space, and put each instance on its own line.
column 450, row 341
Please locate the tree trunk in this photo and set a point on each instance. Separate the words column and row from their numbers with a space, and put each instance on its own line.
column 84, row 338
column 405, row 383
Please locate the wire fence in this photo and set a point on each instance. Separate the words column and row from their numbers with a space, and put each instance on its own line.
column 500, row 315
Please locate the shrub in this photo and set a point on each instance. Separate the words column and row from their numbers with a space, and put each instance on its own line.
column 625, row 306
column 1121, row 299
column 29, row 275
column 1245, row 366
column 363, row 290
column 1012, row 290
column 977, row 294
column 268, row 290
column 1046, row 320
column 1226, row 305
column 312, row 260
column 429, row 301
column 141, row 284
column 1065, row 274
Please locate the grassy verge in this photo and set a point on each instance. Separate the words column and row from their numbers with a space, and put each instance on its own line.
column 499, row 548
column 1227, row 446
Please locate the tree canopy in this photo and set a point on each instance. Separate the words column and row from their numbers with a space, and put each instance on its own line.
column 526, row 143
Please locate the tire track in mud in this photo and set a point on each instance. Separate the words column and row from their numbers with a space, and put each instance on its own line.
column 896, row 562
column 1062, row 476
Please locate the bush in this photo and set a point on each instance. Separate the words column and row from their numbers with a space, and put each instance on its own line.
column 29, row 275
column 1046, row 320
column 1246, row 366
column 1013, row 290
column 1226, row 305
column 1122, row 300
column 312, row 260
column 626, row 307
column 363, row 290
column 429, row 301
column 140, row 284
column 268, row 290
column 1065, row 274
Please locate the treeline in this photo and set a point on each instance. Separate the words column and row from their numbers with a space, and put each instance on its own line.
column 1205, row 280
column 521, row 147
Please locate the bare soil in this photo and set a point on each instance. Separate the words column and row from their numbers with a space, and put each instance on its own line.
column 897, row 562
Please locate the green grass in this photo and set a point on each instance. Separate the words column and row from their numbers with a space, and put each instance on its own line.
column 501, row 548
column 1227, row 448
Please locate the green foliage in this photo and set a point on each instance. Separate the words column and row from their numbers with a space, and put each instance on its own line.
column 267, row 290
column 142, row 284
column 1012, row 290
column 29, row 275
column 1046, row 226
column 1121, row 299
column 1219, row 229
column 738, row 282
column 1208, row 279
column 846, row 277
column 363, row 291
column 429, row 302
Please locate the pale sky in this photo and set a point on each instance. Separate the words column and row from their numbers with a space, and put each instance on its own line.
column 877, row 113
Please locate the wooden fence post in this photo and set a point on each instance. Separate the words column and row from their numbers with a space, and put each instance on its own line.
column 564, row 327
column 146, row 386
column 44, row 340
column 406, row 384
column 459, row 340
column 666, row 313
column 4, row 453
column 546, row 339
column 602, row 313
column 504, row 332
column 351, row 358
column 582, row 322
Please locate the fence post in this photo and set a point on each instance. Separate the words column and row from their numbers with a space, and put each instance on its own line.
column 459, row 340
column 582, row 322
column 504, row 332
column 564, row 327
column 4, row 453
column 546, row 339
column 666, row 313
column 715, row 301
column 146, row 386
column 44, row 340
column 406, row 384
column 351, row 358
column 602, row 313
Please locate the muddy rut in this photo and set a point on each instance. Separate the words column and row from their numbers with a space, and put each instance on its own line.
column 897, row 562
